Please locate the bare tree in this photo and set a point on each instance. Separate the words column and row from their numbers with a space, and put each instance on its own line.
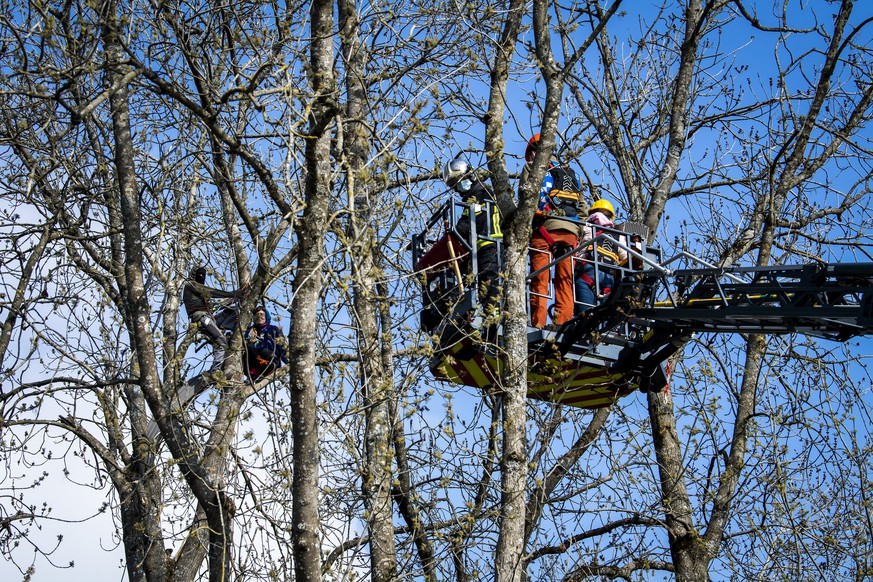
column 650, row 132
column 375, row 378
column 296, row 149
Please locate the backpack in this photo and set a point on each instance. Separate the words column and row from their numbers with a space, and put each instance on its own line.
column 563, row 199
column 607, row 254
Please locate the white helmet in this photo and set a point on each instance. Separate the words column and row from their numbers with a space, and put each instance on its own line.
column 454, row 170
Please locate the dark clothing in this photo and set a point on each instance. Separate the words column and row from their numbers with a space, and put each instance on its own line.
column 478, row 195
column 196, row 297
column 600, row 282
column 487, row 252
column 488, row 260
column 265, row 349
column 489, row 266
column 560, row 193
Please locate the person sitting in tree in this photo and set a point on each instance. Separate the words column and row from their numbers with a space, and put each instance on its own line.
column 265, row 345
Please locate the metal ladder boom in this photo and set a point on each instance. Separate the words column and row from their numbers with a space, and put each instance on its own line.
column 832, row 301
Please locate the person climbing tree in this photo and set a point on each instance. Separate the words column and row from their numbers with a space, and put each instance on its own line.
column 197, row 297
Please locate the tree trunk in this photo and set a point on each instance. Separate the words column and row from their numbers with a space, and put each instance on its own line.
column 208, row 490
column 513, row 463
column 513, row 389
column 689, row 552
column 307, row 289
column 375, row 380
column 143, row 538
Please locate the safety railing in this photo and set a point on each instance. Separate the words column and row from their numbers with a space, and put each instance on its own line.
column 629, row 237
column 448, row 262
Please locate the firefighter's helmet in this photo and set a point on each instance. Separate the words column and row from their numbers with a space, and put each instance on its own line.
column 454, row 170
column 531, row 150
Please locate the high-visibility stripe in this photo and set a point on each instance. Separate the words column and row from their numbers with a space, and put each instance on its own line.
column 565, row 382
column 574, row 196
column 603, row 252
column 712, row 300
column 495, row 226
column 475, row 370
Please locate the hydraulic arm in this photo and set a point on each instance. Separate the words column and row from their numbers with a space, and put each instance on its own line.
column 832, row 301
column 646, row 319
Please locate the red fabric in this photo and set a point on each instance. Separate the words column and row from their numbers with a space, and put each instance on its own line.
column 545, row 234
column 539, row 285
column 439, row 254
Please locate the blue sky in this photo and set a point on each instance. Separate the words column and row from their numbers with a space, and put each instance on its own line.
column 86, row 545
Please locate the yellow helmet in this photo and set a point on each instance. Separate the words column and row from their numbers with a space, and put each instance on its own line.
column 604, row 206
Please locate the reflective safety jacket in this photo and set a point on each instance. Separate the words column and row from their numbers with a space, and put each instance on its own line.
column 560, row 193
column 478, row 196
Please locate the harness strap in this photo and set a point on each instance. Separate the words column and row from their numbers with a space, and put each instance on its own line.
column 545, row 234
column 564, row 194
column 603, row 250
column 590, row 282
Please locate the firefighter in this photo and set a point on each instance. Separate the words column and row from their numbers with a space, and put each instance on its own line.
column 459, row 176
column 555, row 233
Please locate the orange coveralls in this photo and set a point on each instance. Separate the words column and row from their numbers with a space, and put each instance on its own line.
column 540, row 256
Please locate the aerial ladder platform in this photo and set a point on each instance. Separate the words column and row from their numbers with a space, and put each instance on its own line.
column 623, row 343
